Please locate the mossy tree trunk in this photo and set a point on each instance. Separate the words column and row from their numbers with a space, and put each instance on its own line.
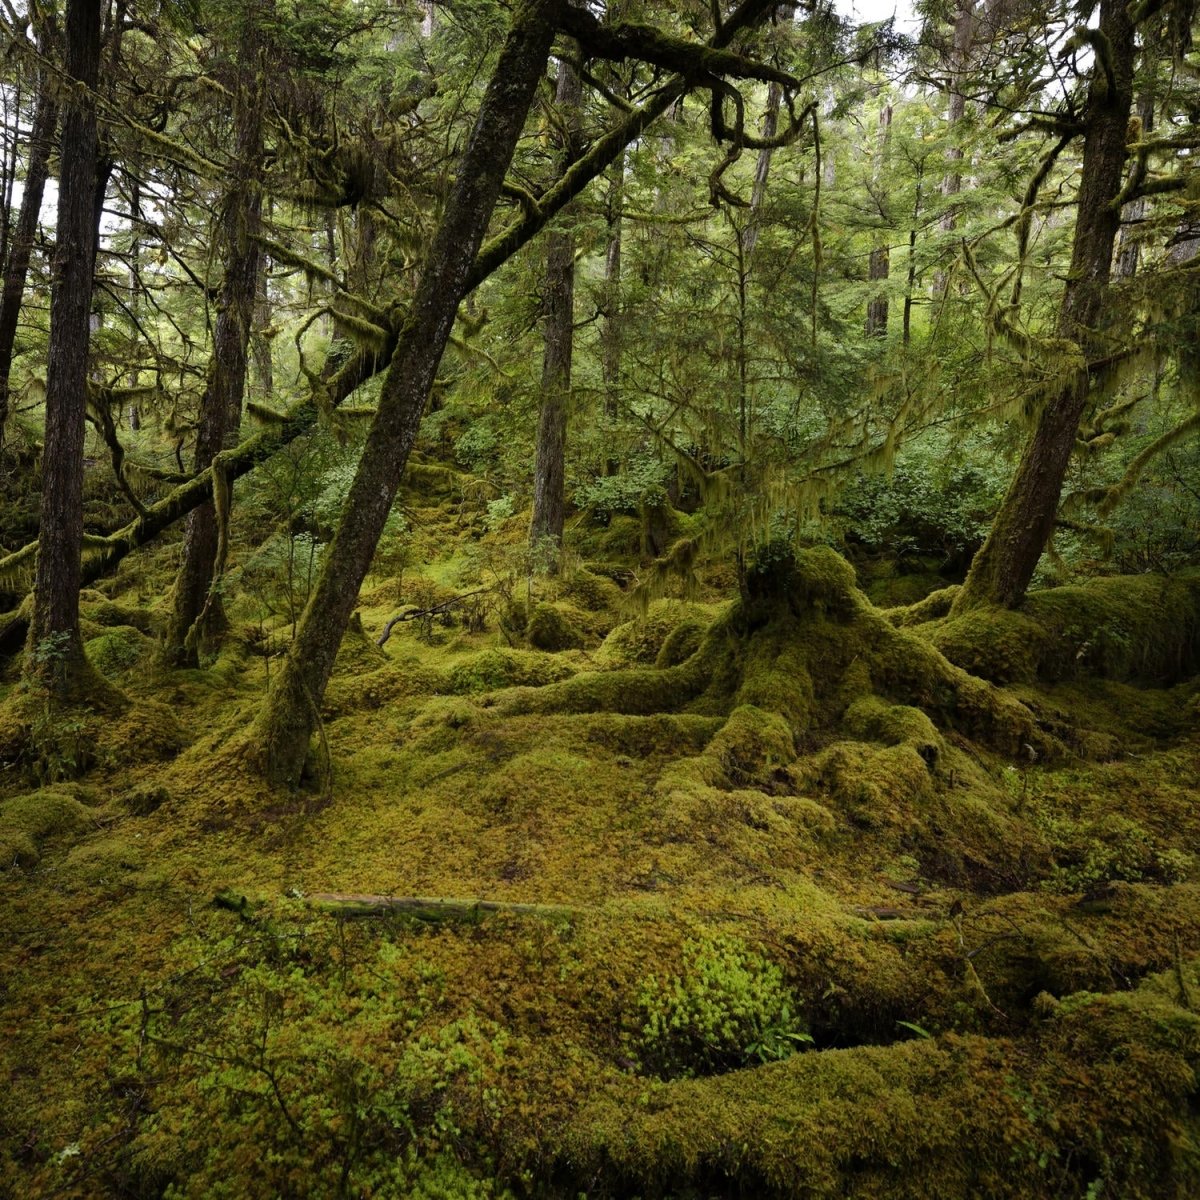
column 56, row 658
column 197, row 614
column 549, row 502
column 879, row 267
column 16, row 268
column 1002, row 569
column 289, row 714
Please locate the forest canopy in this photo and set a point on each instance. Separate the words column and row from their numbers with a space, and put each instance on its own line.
column 685, row 516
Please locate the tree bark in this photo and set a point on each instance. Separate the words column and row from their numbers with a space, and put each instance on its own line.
column 16, row 268
column 289, row 714
column 197, row 615
column 56, row 658
column 610, row 334
column 549, row 501
column 1002, row 569
column 879, row 266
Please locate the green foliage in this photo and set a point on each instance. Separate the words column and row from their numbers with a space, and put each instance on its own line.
column 317, row 1054
column 727, row 1009
column 1112, row 847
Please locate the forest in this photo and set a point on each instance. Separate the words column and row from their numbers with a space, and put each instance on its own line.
column 599, row 599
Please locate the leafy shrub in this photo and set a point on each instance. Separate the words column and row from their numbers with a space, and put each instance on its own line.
column 298, row 1060
column 728, row 1009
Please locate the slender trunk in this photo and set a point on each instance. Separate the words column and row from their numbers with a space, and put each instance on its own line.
column 260, row 342
column 549, row 501
column 1135, row 211
column 611, row 329
column 960, row 58
column 56, row 656
column 41, row 139
column 880, row 262
column 290, row 712
column 1002, row 569
column 197, row 615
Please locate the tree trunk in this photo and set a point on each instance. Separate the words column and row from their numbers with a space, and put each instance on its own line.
column 197, row 615
column 610, row 335
column 1002, row 569
column 41, row 140
column 56, row 657
column 879, row 266
column 546, row 529
column 290, row 712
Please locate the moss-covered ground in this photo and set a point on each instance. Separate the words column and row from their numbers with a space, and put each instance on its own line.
column 829, row 902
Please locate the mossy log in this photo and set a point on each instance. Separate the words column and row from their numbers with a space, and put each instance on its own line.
column 429, row 909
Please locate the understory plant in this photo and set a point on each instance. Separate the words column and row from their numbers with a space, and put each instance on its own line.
column 728, row 1008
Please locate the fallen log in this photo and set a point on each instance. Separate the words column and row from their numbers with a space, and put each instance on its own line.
column 428, row 908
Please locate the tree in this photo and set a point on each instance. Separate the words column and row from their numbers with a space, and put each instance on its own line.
column 289, row 714
column 1001, row 571
column 56, row 656
column 20, row 247
column 559, row 304
column 196, row 606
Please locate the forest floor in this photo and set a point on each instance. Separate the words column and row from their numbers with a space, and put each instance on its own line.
column 816, row 912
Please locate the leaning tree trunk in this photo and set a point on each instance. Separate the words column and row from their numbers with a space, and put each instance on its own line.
column 879, row 266
column 549, row 502
column 289, row 714
column 1002, row 569
column 196, row 613
column 41, row 139
column 56, row 657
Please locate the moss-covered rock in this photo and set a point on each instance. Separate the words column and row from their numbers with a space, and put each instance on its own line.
column 594, row 593
column 502, row 668
column 550, row 628
column 117, row 650
column 639, row 642
column 27, row 821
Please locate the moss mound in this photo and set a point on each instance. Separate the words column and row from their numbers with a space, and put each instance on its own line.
column 551, row 628
column 1144, row 628
column 640, row 642
column 117, row 650
column 495, row 669
column 27, row 821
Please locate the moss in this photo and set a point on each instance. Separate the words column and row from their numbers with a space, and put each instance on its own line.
column 117, row 650
column 956, row 1116
column 507, row 668
column 592, row 592
column 550, row 628
column 358, row 654
column 639, row 642
column 98, row 608
column 873, row 719
column 27, row 821
column 680, row 644
column 379, row 688
column 892, row 590
column 996, row 644
column 875, row 787
column 106, row 860
column 1129, row 627
column 753, row 746
column 1142, row 627
column 936, row 604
